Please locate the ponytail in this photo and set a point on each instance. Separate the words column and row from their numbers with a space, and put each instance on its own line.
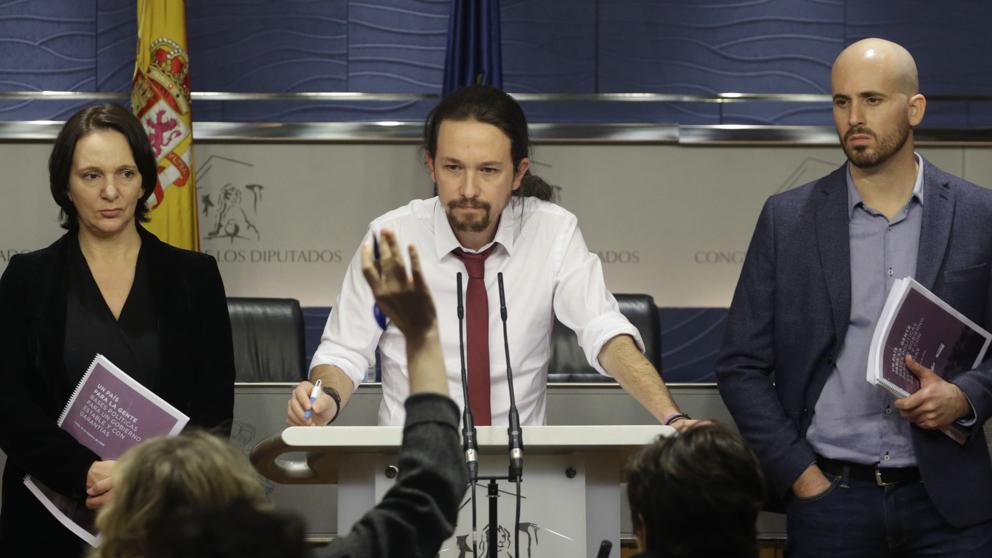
column 533, row 186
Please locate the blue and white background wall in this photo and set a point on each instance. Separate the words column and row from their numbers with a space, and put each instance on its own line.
column 549, row 46
column 670, row 220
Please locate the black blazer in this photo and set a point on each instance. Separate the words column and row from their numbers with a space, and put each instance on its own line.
column 790, row 314
column 197, row 362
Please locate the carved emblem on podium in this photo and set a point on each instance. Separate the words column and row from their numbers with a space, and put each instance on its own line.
column 504, row 540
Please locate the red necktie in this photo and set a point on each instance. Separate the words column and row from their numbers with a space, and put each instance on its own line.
column 477, row 331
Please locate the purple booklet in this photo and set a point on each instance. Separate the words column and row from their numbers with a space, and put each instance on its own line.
column 108, row 413
column 916, row 322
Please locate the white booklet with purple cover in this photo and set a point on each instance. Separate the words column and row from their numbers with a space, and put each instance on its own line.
column 916, row 322
column 108, row 413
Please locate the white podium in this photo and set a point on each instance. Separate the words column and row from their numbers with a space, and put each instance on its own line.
column 571, row 480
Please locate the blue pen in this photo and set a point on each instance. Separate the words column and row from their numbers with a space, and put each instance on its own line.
column 314, row 394
column 380, row 318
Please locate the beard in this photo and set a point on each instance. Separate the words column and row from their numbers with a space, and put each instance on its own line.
column 469, row 225
column 865, row 157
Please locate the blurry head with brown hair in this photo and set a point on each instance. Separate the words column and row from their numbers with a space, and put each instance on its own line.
column 167, row 477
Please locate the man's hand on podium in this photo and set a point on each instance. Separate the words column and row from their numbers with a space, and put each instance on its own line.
column 324, row 407
column 685, row 424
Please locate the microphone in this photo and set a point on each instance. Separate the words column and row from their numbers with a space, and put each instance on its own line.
column 469, row 443
column 516, row 439
column 604, row 549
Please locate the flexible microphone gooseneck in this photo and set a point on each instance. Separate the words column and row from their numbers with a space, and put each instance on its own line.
column 469, row 440
column 516, row 439
column 514, row 434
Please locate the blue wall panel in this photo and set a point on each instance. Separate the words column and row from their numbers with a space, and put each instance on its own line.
column 554, row 46
column 397, row 45
column 315, row 45
column 712, row 47
column 295, row 45
column 690, row 343
column 549, row 46
column 46, row 46
column 116, row 31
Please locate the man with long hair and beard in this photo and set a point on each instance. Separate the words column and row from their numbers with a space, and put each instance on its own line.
column 858, row 472
column 491, row 216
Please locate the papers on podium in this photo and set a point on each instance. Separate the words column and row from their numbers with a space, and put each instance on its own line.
column 108, row 413
column 916, row 322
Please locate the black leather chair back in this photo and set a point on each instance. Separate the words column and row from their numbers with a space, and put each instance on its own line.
column 568, row 362
column 268, row 339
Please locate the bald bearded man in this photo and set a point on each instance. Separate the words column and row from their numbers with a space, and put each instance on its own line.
column 861, row 474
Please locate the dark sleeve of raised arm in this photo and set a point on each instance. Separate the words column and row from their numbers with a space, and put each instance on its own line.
column 419, row 512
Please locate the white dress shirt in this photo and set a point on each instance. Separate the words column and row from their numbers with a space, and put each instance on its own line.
column 547, row 271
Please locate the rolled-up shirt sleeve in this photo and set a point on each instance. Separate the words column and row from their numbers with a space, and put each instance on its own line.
column 582, row 301
column 351, row 333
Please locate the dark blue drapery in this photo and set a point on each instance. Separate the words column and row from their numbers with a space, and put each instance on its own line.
column 473, row 53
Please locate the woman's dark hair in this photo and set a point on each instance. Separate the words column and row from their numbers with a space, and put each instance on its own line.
column 107, row 116
column 493, row 106
column 696, row 494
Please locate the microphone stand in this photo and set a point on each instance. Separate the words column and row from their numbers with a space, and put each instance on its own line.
column 469, row 440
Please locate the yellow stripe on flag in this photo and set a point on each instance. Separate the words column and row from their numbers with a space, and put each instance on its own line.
column 161, row 101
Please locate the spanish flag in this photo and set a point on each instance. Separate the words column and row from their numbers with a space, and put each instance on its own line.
column 161, row 101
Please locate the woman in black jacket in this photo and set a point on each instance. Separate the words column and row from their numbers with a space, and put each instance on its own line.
column 106, row 286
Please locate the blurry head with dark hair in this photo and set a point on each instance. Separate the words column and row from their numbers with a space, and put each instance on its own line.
column 131, row 153
column 696, row 495
column 237, row 530
column 477, row 149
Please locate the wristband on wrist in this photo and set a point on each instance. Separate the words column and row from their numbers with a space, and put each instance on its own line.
column 670, row 418
column 333, row 394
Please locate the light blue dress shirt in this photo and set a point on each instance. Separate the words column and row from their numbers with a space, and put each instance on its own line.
column 854, row 420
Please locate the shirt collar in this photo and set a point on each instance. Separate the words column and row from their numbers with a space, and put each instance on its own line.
column 854, row 197
column 445, row 240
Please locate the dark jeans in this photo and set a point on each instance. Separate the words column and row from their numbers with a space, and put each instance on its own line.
column 857, row 518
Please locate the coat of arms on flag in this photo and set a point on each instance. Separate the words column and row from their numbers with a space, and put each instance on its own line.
column 160, row 98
